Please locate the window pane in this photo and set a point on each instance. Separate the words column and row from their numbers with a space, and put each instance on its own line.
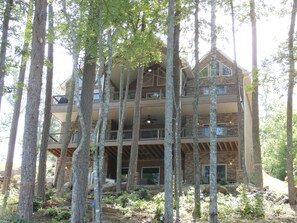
column 204, row 72
column 226, row 71
column 152, row 175
column 221, row 90
column 205, row 90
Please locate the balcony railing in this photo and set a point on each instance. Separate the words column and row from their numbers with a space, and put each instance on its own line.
column 156, row 94
column 153, row 134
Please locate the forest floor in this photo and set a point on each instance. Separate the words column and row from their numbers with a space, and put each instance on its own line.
column 129, row 208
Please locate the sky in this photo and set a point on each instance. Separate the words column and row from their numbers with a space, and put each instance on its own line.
column 270, row 32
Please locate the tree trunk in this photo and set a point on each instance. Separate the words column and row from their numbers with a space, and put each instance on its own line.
column 292, row 75
column 122, row 112
column 177, row 75
column 41, row 176
column 135, row 132
column 69, row 130
column 169, row 116
column 196, row 150
column 238, row 85
column 213, row 211
column 4, row 43
column 25, row 206
column 17, row 107
column 257, row 170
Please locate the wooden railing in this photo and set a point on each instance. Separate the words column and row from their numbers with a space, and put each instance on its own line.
column 153, row 134
column 155, row 94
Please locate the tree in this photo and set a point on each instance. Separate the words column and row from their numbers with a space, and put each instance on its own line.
column 213, row 212
column 4, row 43
column 135, row 131
column 69, row 127
column 168, row 116
column 25, row 206
column 197, row 204
column 123, row 102
column 238, row 81
column 177, row 105
column 41, row 176
column 292, row 75
column 257, row 169
column 80, row 159
column 17, row 104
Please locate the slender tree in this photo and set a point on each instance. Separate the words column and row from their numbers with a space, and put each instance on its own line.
column 69, row 128
column 41, row 176
column 213, row 212
column 257, row 170
column 168, row 116
column 177, row 111
column 4, row 43
column 135, row 131
column 292, row 75
column 239, row 81
column 123, row 102
column 196, row 150
column 17, row 105
column 25, row 206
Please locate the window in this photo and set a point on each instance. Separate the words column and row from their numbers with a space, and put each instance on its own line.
column 221, row 172
column 226, row 71
column 221, row 89
column 153, row 95
column 151, row 175
column 221, row 130
column 124, row 174
column 205, row 90
column 221, row 70
column 204, row 72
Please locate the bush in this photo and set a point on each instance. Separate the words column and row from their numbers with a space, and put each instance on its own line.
column 37, row 203
column 51, row 212
column 63, row 215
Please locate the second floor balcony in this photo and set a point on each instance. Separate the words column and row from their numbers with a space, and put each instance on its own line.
column 154, row 134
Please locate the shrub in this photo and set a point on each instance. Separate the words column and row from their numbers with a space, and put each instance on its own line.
column 37, row 203
column 51, row 212
column 63, row 215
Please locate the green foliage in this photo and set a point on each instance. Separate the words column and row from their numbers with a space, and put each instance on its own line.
column 273, row 137
column 37, row 203
column 13, row 218
column 250, row 206
column 63, row 215
column 51, row 212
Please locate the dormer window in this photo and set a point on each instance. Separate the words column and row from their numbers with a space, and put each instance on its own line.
column 222, row 70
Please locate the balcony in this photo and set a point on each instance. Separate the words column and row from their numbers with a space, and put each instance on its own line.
column 155, row 94
column 153, row 134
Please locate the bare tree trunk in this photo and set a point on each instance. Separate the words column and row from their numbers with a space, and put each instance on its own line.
column 168, row 116
column 177, row 111
column 213, row 211
column 196, row 150
column 240, row 117
column 80, row 160
column 135, row 132
column 17, row 108
column 292, row 75
column 257, row 170
column 122, row 110
column 25, row 206
column 4, row 41
column 41, row 176
column 69, row 130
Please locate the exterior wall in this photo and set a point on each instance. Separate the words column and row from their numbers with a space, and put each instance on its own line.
column 223, row 157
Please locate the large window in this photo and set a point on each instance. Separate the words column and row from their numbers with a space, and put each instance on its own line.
column 221, row 173
column 221, row 70
column 151, row 175
column 221, row 130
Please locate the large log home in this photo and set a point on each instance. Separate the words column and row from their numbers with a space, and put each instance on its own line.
column 150, row 165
